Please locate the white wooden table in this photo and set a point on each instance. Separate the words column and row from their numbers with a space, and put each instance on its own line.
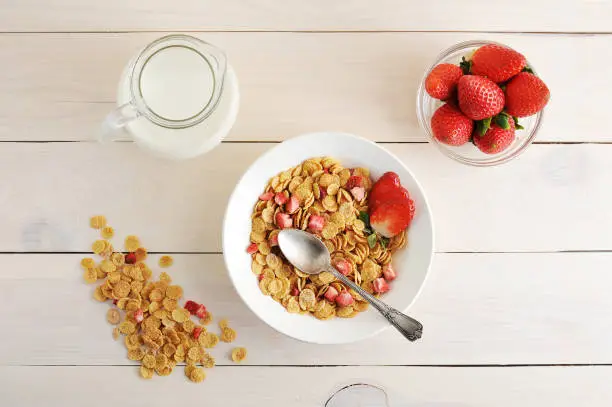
column 518, row 307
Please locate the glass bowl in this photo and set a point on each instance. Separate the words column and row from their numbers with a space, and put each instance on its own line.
column 468, row 153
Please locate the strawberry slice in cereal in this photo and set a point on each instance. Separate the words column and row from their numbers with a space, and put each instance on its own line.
column 343, row 266
column 283, row 220
column 331, row 294
column 344, row 299
column 280, row 198
column 389, row 273
column 252, row 249
column 316, row 223
column 266, row 196
column 380, row 285
column 293, row 205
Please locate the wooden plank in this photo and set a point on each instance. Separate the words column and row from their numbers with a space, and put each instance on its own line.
column 295, row 15
column 554, row 197
column 62, row 85
column 477, row 309
column 310, row 386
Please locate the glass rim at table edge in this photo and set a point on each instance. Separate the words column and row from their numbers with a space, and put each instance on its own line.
column 205, row 50
column 349, row 386
column 422, row 122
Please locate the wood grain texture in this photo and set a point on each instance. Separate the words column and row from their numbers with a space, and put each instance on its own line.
column 309, row 386
column 295, row 15
column 477, row 309
column 61, row 86
column 554, row 197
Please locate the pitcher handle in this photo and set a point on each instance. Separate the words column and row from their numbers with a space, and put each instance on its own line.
column 115, row 121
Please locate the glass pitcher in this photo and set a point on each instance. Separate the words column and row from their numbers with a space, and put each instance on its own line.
column 177, row 98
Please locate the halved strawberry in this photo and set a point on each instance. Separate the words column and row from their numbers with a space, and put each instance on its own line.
column 316, row 223
column 283, row 220
column 293, row 204
column 389, row 181
column 344, row 299
column 358, row 193
column 280, row 198
column 390, row 218
column 380, row 285
column 266, row 196
column 389, row 273
column 354, row 181
column 252, row 249
column 331, row 294
column 343, row 266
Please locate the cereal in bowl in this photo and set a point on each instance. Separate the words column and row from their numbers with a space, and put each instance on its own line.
column 360, row 222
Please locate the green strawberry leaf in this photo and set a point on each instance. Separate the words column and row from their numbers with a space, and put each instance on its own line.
column 527, row 68
column 466, row 66
column 503, row 87
column 365, row 218
column 384, row 241
column 483, row 125
column 516, row 123
column 502, row 121
column 372, row 240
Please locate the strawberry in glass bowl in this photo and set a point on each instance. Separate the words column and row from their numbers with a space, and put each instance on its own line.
column 481, row 103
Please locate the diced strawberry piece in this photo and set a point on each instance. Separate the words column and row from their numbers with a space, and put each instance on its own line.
column 388, row 272
column 316, row 223
column 412, row 209
column 344, row 299
column 323, row 192
column 283, row 220
column 115, row 302
column 293, row 204
column 326, row 170
column 260, row 277
column 130, row 258
column 280, row 198
column 138, row 315
column 295, row 291
column 266, row 196
column 358, row 193
column 196, row 332
column 191, row 306
column 201, row 311
column 380, row 285
column 252, row 249
column 331, row 294
column 354, row 181
column 273, row 241
column 343, row 266
column 390, row 218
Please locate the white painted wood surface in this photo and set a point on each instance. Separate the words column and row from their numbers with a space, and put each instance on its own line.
column 521, row 275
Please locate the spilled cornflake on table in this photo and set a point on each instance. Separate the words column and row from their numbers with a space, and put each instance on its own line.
column 158, row 332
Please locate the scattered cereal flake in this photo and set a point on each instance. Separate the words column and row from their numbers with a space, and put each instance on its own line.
column 148, row 361
column 107, row 232
column 228, row 335
column 239, row 354
column 99, row 294
column 99, row 246
column 166, row 261
column 146, row 373
column 97, row 222
column 131, row 243
column 224, row 323
column 189, row 326
column 174, row 292
column 207, row 361
column 208, row 340
column 194, row 353
column 136, row 354
column 127, row 328
column 208, row 317
column 113, row 316
column 165, row 277
column 197, row 375
column 141, row 254
column 88, row 263
column 90, row 276
column 179, row 316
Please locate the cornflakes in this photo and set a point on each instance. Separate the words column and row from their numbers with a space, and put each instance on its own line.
column 197, row 375
column 97, row 222
column 239, row 354
column 228, row 335
column 88, row 263
column 113, row 316
column 165, row 261
column 131, row 243
column 107, row 232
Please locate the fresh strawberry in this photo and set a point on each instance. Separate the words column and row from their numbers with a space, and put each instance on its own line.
column 441, row 82
column 266, row 196
column 280, row 198
column 316, row 223
column 479, row 97
column 389, row 273
column 294, row 291
column 197, row 331
column 201, row 311
column 497, row 62
column 526, row 94
column 354, row 181
column 293, row 204
column 260, row 277
column 496, row 139
column 138, row 315
column 191, row 306
column 450, row 126
column 358, row 193
column 283, row 220
column 252, row 249
column 389, row 181
column 344, row 299
column 412, row 208
column 130, row 258
column 380, row 285
column 331, row 294
column 390, row 218
column 343, row 266
column 273, row 241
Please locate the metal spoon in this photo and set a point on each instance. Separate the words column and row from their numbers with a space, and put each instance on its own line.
column 311, row 256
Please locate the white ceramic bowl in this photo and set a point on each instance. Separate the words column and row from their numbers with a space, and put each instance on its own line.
column 412, row 263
